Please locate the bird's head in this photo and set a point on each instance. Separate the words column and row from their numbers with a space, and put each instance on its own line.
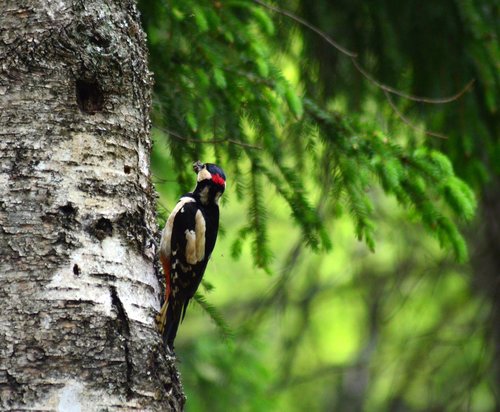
column 210, row 183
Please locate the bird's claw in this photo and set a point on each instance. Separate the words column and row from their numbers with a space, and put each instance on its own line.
column 161, row 318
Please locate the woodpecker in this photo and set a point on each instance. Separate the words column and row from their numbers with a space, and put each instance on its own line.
column 187, row 242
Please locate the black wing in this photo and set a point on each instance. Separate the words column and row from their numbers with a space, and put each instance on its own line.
column 194, row 232
column 189, row 255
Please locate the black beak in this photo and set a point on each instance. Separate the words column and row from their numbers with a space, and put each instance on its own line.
column 197, row 166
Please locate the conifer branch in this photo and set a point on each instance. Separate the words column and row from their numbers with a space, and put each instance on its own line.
column 219, row 321
column 408, row 122
column 354, row 59
column 213, row 141
column 420, row 99
column 304, row 23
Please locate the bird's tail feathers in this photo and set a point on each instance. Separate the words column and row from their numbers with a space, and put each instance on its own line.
column 173, row 319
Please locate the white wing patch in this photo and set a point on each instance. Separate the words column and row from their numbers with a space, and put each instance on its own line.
column 191, row 247
column 166, row 236
column 195, row 240
column 200, row 228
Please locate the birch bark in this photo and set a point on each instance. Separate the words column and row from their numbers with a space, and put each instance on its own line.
column 78, row 284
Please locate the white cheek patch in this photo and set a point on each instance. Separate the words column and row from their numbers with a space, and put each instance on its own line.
column 166, row 236
column 204, row 174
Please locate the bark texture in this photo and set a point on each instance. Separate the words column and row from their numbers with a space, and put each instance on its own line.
column 78, row 285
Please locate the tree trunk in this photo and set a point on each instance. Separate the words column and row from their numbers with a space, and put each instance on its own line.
column 78, row 284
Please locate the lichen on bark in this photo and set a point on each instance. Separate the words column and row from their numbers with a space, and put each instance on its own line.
column 78, row 284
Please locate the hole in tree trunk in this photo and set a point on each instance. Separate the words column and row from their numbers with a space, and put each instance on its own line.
column 102, row 228
column 68, row 209
column 127, row 169
column 76, row 270
column 89, row 96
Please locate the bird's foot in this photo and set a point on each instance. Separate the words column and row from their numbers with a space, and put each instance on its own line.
column 161, row 318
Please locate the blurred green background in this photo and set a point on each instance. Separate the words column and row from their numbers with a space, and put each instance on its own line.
column 358, row 263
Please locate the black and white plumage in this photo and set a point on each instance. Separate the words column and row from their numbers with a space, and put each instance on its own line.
column 187, row 242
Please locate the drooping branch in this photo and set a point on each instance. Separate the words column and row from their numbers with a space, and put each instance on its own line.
column 212, row 141
column 387, row 90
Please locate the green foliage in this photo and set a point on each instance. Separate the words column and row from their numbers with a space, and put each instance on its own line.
column 422, row 180
column 215, row 78
column 426, row 51
column 214, row 314
column 225, row 377
column 217, row 81
column 257, row 216
column 302, row 134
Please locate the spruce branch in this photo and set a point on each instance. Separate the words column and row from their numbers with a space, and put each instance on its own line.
column 212, row 141
column 224, row 329
column 387, row 90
